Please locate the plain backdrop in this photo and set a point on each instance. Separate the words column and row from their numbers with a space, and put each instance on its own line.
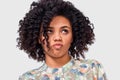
column 104, row 14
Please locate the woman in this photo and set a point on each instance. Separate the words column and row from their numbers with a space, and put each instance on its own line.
column 57, row 33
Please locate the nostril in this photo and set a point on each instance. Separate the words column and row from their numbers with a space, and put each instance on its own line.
column 57, row 38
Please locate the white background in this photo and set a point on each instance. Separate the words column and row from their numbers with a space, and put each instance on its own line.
column 105, row 15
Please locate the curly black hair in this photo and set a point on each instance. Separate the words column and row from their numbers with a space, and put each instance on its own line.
column 40, row 15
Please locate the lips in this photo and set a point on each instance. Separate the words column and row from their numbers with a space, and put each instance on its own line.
column 57, row 46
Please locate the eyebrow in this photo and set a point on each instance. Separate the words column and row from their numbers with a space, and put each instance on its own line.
column 60, row 27
column 65, row 27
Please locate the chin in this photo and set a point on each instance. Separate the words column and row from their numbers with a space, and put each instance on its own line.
column 57, row 55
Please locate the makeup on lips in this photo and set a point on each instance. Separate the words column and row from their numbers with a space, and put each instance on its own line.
column 57, row 46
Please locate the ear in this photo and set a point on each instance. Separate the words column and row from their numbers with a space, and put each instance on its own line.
column 39, row 40
column 72, row 39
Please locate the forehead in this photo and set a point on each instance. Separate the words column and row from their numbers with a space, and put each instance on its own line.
column 59, row 21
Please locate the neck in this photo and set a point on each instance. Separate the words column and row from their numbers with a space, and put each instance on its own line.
column 57, row 62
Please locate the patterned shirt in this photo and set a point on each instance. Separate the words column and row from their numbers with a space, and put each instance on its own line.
column 73, row 70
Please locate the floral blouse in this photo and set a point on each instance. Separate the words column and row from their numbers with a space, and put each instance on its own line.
column 73, row 70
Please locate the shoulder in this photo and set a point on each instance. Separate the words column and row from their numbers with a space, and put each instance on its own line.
column 86, row 65
column 90, row 62
column 31, row 74
column 91, row 67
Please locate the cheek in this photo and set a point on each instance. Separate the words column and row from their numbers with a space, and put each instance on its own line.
column 68, row 40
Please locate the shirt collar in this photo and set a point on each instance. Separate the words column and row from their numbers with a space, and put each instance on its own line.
column 62, row 69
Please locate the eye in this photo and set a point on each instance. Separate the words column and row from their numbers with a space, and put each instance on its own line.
column 49, row 31
column 65, row 31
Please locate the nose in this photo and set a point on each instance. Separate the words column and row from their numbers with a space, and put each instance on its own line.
column 57, row 37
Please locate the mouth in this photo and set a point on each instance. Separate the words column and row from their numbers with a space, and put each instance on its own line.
column 57, row 46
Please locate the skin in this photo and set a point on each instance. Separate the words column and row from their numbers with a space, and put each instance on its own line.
column 60, row 39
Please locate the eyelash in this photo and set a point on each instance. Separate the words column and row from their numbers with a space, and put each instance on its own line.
column 49, row 31
column 64, row 31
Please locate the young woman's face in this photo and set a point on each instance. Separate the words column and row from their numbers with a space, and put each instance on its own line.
column 60, row 38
